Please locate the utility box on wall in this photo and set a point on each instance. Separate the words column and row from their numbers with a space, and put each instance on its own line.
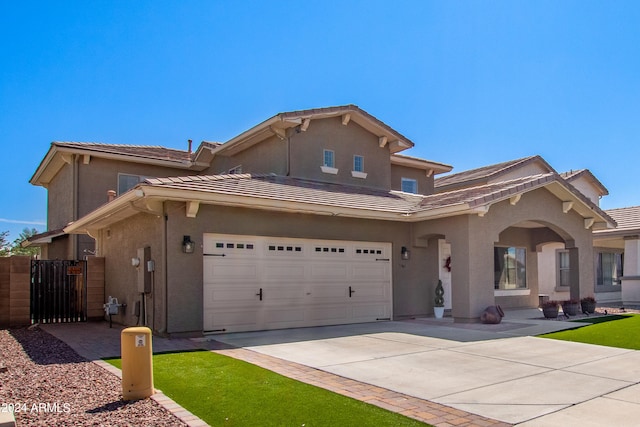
column 144, row 273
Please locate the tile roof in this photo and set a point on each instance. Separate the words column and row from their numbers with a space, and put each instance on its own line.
column 628, row 219
column 483, row 194
column 289, row 189
column 143, row 151
column 485, row 172
column 573, row 175
column 343, row 109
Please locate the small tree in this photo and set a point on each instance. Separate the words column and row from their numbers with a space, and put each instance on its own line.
column 17, row 249
column 5, row 249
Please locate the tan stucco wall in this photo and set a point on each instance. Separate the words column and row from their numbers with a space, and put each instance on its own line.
column 425, row 184
column 269, row 156
column 118, row 245
column 346, row 141
column 472, row 241
column 60, row 199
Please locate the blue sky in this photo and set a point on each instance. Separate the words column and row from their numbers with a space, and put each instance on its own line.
column 470, row 82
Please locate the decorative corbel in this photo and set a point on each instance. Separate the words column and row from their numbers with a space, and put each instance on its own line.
column 305, row 124
column 567, row 206
column 429, row 172
column 346, row 118
column 192, row 208
column 86, row 159
column 382, row 141
column 588, row 222
column 280, row 133
column 515, row 199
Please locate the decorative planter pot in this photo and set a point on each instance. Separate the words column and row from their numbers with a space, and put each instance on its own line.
column 550, row 312
column 438, row 312
column 588, row 307
column 570, row 309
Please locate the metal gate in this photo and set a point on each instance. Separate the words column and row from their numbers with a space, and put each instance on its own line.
column 58, row 291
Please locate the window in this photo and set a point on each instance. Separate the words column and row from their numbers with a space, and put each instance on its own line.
column 564, row 271
column 127, row 182
column 609, row 268
column 510, row 268
column 358, row 163
column 329, row 158
column 409, row 185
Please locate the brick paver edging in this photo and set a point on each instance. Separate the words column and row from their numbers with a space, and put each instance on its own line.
column 419, row 409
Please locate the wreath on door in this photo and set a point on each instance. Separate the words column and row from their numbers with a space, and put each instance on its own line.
column 447, row 264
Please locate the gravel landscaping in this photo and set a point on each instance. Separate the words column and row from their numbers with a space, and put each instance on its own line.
column 46, row 383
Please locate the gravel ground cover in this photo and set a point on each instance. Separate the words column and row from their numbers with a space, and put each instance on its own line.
column 46, row 383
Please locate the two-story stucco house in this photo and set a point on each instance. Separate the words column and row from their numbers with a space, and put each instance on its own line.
column 314, row 218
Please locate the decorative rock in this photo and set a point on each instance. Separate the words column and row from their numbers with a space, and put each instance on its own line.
column 492, row 315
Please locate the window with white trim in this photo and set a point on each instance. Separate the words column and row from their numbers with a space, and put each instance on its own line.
column 609, row 268
column 328, row 158
column 126, row 182
column 358, row 163
column 563, row 276
column 409, row 185
column 510, row 268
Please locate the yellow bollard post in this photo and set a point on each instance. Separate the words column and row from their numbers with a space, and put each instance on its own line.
column 137, row 364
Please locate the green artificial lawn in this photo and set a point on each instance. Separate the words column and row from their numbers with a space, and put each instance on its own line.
column 622, row 331
column 228, row 392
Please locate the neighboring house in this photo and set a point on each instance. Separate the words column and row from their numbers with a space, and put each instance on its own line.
column 617, row 261
column 314, row 217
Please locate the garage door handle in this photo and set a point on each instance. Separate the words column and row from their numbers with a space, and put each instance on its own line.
column 351, row 291
column 260, row 294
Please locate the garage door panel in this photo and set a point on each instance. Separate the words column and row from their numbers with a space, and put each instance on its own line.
column 371, row 271
column 280, row 271
column 235, row 319
column 328, row 314
column 325, row 271
column 284, row 294
column 304, row 282
column 281, row 315
column 377, row 291
column 231, row 271
column 371, row 312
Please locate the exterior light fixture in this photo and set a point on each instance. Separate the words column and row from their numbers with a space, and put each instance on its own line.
column 187, row 245
column 405, row 254
column 135, row 262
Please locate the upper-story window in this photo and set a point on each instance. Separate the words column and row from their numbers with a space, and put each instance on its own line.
column 126, row 182
column 409, row 185
column 358, row 163
column 329, row 158
column 329, row 162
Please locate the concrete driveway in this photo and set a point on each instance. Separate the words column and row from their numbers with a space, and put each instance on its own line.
column 497, row 371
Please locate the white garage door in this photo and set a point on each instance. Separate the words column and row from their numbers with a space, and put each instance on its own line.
column 255, row 283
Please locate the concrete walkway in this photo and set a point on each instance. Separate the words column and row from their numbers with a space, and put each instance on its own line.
column 433, row 370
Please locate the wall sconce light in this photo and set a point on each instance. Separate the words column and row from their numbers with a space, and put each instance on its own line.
column 405, row 254
column 135, row 262
column 187, row 245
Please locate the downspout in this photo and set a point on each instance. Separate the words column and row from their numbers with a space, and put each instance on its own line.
column 74, row 182
column 165, row 274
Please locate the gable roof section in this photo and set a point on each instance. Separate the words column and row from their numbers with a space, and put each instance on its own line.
column 586, row 173
column 61, row 152
column 430, row 167
column 279, row 193
column 281, row 122
column 628, row 220
column 481, row 175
